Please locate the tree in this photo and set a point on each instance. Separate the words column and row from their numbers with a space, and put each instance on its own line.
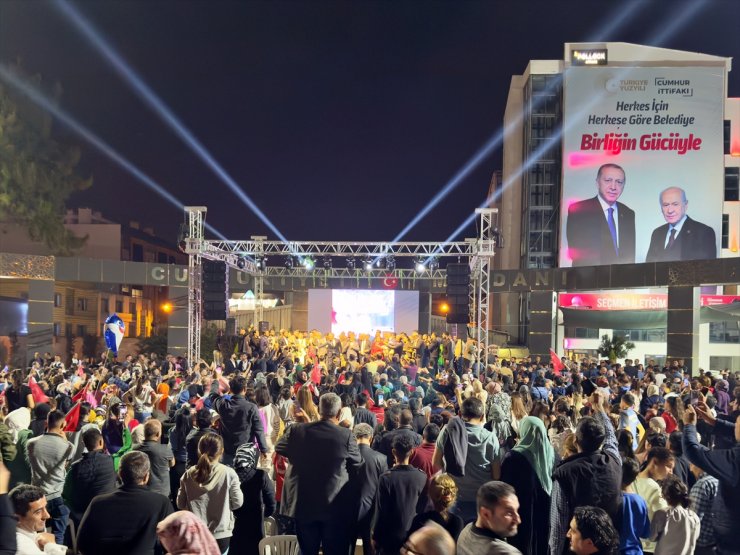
column 614, row 348
column 154, row 344
column 207, row 343
column 91, row 345
column 37, row 176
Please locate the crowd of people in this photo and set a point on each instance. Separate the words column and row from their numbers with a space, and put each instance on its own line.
column 409, row 443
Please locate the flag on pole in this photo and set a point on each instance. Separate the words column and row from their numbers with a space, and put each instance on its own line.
column 38, row 395
column 80, row 395
column 72, row 418
column 316, row 374
column 557, row 364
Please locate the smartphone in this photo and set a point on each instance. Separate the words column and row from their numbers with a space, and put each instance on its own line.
column 122, row 411
column 694, row 397
column 381, row 398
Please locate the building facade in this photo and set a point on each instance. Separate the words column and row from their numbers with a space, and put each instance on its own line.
column 531, row 197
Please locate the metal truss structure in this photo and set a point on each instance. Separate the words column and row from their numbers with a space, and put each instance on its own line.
column 251, row 257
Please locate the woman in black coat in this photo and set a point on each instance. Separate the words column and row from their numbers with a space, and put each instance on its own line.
column 528, row 468
column 259, row 502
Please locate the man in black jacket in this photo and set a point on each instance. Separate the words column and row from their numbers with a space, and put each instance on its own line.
column 240, row 419
column 362, row 414
column 723, row 464
column 125, row 521
column 89, row 477
column 369, row 474
column 400, row 493
column 384, row 444
column 324, row 456
column 592, row 477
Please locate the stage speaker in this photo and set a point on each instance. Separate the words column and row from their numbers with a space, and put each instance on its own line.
column 215, row 295
column 458, row 293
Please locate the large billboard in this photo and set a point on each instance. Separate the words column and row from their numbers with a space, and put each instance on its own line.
column 642, row 165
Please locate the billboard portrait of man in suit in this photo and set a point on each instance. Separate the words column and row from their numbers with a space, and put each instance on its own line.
column 680, row 238
column 601, row 230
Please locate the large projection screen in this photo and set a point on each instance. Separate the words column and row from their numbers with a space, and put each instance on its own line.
column 362, row 310
column 663, row 127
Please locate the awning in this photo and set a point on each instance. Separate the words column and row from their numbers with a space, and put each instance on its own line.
column 642, row 319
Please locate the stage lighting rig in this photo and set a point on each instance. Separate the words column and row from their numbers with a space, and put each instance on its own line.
column 351, row 263
column 420, row 266
column 390, row 263
column 327, row 263
column 368, row 264
column 308, row 263
column 289, row 262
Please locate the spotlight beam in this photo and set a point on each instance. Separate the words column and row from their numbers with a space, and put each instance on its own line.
column 614, row 21
column 7, row 75
column 678, row 22
column 146, row 94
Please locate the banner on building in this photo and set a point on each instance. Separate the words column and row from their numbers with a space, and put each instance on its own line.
column 642, row 165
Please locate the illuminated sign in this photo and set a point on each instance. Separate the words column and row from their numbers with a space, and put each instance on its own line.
column 595, row 57
column 642, row 165
column 632, row 301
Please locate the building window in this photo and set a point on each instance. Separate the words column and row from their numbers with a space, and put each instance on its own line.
column 68, row 330
column 725, row 231
column 651, row 335
column 81, row 331
column 82, row 304
column 57, row 329
column 138, row 253
column 582, row 333
column 732, row 184
column 162, row 257
column 724, row 332
column 727, row 135
column 137, row 293
column 57, row 300
column 119, row 306
column 105, row 304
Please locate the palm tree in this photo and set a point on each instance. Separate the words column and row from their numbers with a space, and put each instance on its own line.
column 614, row 348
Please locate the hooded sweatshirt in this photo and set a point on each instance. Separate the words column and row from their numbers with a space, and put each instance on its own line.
column 214, row 500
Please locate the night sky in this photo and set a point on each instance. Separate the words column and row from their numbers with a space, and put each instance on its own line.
column 341, row 120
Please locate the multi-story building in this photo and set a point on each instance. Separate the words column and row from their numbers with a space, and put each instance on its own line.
column 80, row 308
column 537, row 159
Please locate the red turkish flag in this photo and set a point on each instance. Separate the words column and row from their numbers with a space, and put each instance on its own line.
column 72, row 418
column 316, row 374
column 80, row 395
column 38, row 395
column 557, row 364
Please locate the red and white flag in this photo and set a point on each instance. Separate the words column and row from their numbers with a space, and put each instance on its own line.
column 38, row 394
column 557, row 364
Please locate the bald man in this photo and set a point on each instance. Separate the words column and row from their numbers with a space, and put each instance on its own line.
column 680, row 238
column 431, row 539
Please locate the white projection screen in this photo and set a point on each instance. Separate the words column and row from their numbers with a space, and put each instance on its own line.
column 362, row 310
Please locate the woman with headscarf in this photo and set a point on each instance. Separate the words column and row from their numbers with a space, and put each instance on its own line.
column 723, row 397
column 259, row 502
column 652, row 399
column 18, row 423
column 183, row 533
column 528, row 468
column 501, row 428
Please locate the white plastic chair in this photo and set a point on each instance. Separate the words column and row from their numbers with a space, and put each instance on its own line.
column 270, row 526
column 279, row 545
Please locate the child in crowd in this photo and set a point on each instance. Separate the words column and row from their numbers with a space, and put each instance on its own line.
column 634, row 518
column 675, row 528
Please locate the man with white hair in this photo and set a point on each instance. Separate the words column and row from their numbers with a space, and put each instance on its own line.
column 324, row 456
